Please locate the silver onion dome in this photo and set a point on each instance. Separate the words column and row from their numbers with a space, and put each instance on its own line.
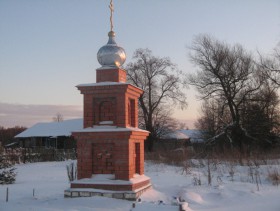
column 111, row 55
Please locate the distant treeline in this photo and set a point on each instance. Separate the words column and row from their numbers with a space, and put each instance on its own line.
column 7, row 134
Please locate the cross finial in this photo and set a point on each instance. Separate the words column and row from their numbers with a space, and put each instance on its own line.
column 111, row 6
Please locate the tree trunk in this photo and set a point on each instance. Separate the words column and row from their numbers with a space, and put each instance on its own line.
column 238, row 137
column 149, row 143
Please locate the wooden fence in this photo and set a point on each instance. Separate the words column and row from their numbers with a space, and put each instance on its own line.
column 30, row 155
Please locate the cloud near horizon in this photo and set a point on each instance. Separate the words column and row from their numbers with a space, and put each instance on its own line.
column 13, row 114
column 27, row 115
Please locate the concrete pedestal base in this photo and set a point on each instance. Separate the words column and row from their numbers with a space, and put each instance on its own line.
column 107, row 186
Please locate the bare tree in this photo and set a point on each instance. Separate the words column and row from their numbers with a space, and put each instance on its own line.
column 213, row 117
column 58, row 118
column 271, row 65
column 163, row 122
column 182, row 125
column 228, row 74
column 163, row 87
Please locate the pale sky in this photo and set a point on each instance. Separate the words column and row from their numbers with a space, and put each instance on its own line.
column 47, row 47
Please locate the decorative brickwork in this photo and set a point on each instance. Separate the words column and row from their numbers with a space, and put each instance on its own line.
column 119, row 96
column 103, row 158
column 121, row 153
column 111, row 143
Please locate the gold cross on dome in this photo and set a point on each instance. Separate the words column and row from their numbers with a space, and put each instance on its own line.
column 111, row 6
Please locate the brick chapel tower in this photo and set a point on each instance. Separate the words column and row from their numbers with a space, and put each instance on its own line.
column 110, row 148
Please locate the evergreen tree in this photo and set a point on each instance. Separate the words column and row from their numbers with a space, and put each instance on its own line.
column 7, row 171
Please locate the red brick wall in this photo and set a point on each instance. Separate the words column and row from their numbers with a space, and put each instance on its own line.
column 119, row 97
column 122, row 153
column 110, row 152
column 113, row 75
column 103, row 158
column 131, row 187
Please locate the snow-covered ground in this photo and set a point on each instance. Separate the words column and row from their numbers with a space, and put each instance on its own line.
column 233, row 187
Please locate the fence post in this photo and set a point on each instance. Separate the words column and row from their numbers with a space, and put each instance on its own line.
column 7, row 195
column 53, row 154
column 24, row 152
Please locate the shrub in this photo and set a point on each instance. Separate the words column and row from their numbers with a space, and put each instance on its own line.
column 274, row 177
column 71, row 171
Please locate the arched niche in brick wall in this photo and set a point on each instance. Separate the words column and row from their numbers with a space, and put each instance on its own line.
column 104, row 109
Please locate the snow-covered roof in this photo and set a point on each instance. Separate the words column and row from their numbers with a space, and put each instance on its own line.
column 175, row 135
column 195, row 135
column 52, row 129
